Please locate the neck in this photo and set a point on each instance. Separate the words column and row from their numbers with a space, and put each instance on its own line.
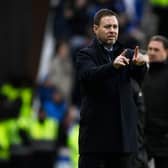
column 108, row 46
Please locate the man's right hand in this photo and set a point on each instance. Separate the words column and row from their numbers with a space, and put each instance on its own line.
column 121, row 60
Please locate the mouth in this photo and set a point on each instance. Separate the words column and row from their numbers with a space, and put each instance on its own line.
column 111, row 37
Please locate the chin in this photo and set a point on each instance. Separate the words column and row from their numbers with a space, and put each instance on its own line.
column 112, row 41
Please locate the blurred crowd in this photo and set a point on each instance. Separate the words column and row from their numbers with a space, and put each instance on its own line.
column 39, row 124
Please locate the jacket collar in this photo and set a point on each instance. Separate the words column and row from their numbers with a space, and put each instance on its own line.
column 116, row 47
column 158, row 65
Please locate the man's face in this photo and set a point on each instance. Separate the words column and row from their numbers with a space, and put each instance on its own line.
column 107, row 30
column 156, row 51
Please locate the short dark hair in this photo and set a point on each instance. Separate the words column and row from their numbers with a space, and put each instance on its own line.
column 161, row 39
column 101, row 13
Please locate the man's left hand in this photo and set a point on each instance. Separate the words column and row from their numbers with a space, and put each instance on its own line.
column 138, row 58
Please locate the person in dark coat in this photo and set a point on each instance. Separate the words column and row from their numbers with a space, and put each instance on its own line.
column 156, row 101
column 108, row 115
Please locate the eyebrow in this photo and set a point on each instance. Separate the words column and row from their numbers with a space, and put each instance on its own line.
column 153, row 48
column 116, row 25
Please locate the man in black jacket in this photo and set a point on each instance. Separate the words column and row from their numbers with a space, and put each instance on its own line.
column 108, row 116
column 156, row 101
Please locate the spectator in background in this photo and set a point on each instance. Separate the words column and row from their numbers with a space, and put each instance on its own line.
column 71, row 116
column 61, row 71
column 73, row 134
column 156, row 101
column 77, row 17
column 56, row 106
column 68, row 137
column 60, row 26
column 11, row 104
column 44, row 90
column 131, row 21
column 43, row 133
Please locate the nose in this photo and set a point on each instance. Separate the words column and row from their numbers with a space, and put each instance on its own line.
column 112, row 29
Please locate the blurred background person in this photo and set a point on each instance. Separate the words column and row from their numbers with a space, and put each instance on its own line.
column 43, row 135
column 61, row 72
column 155, row 96
column 68, row 139
column 73, row 134
column 17, row 106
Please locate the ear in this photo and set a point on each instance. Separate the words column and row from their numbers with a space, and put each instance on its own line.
column 95, row 27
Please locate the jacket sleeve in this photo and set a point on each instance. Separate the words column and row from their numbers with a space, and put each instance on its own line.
column 138, row 72
column 87, row 69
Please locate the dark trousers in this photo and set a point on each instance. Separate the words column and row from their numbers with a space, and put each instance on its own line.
column 161, row 162
column 106, row 161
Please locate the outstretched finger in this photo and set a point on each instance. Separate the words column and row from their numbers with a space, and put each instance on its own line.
column 123, row 53
column 136, row 51
column 124, row 59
